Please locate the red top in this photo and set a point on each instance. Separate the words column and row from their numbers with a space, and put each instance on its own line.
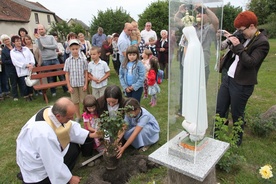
column 151, row 77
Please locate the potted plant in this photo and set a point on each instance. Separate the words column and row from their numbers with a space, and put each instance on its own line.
column 111, row 128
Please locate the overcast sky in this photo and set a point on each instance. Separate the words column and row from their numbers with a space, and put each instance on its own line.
column 85, row 9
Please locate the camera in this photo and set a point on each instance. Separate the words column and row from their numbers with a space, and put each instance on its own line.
column 201, row 10
column 237, row 34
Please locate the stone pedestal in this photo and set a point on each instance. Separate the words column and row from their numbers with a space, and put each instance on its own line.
column 178, row 178
column 185, row 169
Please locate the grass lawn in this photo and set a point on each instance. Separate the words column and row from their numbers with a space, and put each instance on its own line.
column 257, row 151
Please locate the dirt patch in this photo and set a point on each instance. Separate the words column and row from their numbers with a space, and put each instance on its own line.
column 130, row 165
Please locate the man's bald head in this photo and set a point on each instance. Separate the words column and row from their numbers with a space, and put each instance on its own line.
column 128, row 28
column 62, row 105
column 41, row 30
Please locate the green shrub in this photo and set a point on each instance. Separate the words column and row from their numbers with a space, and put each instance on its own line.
column 263, row 127
column 224, row 133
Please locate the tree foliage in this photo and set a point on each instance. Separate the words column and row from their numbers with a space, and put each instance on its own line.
column 157, row 14
column 77, row 28
column 112, row 21
column 229, row 14
column 262, row 8
column 62, row 29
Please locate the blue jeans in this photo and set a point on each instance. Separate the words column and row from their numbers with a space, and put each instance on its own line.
column 136, row 94
column 51, row 79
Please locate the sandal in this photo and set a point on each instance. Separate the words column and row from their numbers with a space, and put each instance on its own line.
column 144, row 148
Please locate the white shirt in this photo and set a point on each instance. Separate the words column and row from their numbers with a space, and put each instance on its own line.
column 38, row 152
column 146, row 35
column 20, row 59
column 98, row 70
column 232, row 69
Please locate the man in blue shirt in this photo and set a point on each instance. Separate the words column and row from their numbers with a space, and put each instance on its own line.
column 98, row 38
column 124, row 41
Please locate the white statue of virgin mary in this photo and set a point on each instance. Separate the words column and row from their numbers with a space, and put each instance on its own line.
column 194, row 87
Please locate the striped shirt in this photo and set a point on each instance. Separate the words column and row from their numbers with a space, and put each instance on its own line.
column 76, row 68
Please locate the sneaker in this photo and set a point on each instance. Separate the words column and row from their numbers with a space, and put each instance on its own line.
column 7, row 95
column 15, row 99
column 54, row 94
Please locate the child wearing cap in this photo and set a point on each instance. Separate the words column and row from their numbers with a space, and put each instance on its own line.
column 76, row 75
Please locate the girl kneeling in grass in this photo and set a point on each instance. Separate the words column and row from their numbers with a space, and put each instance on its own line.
column 143, row 129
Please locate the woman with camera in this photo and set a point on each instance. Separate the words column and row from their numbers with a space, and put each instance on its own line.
column 243, row 62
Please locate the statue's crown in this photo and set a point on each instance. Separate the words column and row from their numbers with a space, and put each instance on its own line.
column 188, row 20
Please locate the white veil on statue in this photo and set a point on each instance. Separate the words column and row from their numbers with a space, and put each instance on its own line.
column 194, row 87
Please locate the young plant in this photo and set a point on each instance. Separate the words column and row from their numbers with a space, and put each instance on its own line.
column 111, row 126
column 224, row 133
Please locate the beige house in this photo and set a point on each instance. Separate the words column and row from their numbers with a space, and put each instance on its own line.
column 15, row 14
column 76, row 21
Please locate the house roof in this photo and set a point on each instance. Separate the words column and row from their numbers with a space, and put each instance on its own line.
column 12, row 11
column 20, row 10
column 76, row 21
column 34, row 6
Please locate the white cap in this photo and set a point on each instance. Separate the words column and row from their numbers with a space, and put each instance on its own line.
column 74, row 42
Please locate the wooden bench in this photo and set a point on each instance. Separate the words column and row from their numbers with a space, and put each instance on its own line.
column 44, row 72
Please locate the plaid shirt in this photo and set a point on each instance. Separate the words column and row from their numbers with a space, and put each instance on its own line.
column 76, row 68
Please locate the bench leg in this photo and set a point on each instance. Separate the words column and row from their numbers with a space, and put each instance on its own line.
column 45, row 95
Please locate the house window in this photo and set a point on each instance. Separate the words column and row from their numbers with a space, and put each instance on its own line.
column 36, row 18
column 49, row 19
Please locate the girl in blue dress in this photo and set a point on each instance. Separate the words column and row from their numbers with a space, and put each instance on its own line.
column 143, row 129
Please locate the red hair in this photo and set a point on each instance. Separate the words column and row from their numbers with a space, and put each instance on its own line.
column 245, row 18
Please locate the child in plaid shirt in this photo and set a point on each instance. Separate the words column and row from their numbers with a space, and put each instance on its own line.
column 76, row 76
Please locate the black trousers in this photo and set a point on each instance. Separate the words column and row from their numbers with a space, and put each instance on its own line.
column 234, row 95
column 69, row 159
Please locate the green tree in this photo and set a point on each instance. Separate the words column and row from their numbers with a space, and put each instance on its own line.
column 62, row 29
column 262, row 8
column 157, row 14
column 110, row 20
column 229, row 14
column 77, row 28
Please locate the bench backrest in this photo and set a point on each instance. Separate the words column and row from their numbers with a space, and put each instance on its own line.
column 47, row 71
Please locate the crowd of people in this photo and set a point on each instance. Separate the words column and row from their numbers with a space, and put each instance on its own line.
column 85, row 65
column 47, row 50
column 136, row 57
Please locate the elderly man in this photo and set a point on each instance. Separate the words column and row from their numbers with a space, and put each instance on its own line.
column 98, row 38
column 148, row 33
column 243, row 62
column 48, row 145
column 48, row 46
column 124, row 41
